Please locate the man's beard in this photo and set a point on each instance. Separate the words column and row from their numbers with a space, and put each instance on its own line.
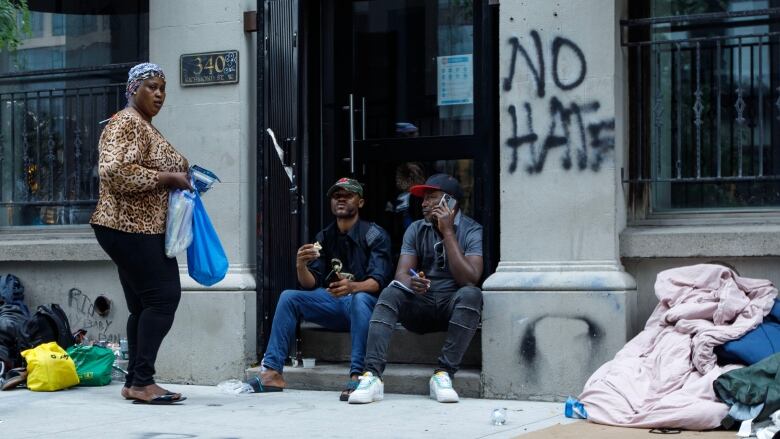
column 346, row 214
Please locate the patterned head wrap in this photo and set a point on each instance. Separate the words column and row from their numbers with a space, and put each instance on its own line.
column 139, row 73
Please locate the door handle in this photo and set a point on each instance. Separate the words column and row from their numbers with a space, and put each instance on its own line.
column 290, row 171
column 363, row 116
column 352, row 134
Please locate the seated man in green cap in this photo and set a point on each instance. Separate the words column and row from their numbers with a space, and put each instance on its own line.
column 341, row 275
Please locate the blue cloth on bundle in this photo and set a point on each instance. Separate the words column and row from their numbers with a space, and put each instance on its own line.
column 756, row 345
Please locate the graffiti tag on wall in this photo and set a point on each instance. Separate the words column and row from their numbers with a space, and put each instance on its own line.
column 82, row 315
column 585, row 136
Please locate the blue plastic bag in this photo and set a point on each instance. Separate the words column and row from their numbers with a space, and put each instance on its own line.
column 206, row 259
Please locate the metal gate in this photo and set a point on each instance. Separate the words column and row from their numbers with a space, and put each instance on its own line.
column 278, row 203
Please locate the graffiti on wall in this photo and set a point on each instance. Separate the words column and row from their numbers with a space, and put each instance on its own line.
column 540, row 344
column 82, row 314
column 585, row 136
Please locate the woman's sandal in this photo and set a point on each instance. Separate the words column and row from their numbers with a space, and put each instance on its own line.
column 350, row 387
column 177, row 397
column 166, row 399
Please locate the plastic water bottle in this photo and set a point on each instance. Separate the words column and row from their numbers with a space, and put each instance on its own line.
column 574, row 409
column 123, row 348
column 498, row 417
column 235, row 387
column 117, row 373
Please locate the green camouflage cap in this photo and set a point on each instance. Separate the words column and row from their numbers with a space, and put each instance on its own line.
column 347, row 184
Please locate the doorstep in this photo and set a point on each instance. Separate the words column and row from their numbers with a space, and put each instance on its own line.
column 409, row 379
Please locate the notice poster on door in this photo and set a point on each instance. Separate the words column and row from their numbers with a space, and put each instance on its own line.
column 455, row 79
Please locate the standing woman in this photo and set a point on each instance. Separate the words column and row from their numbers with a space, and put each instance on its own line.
column 137, row 168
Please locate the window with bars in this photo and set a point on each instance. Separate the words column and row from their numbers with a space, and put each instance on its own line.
column 54, row 91
column 705, row 105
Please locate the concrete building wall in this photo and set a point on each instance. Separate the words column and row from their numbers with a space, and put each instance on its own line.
column 560, row 303
column 574, row 282
column 560, row 87
column 213, row 125
column 213, row 336
column 576, row 279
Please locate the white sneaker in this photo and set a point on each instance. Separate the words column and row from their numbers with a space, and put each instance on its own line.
column 370, row 389
column 441, row 388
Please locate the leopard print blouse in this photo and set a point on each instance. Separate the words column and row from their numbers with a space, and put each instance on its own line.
column 131, row 152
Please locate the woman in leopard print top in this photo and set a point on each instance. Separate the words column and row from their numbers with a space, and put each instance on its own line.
column 137, row 168
column 135, row 160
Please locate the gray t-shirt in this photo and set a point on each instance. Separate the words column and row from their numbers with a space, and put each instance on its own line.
column 423, row 241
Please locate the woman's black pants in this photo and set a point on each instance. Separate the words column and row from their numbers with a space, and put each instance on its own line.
column 152, row 289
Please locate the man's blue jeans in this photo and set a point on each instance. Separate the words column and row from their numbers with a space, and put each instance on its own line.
column 347, row 313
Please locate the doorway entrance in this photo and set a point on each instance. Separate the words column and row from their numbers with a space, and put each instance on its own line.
column 407, row 91
column 385, row 91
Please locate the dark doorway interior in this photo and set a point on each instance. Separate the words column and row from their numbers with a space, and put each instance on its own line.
column 388, row 98
column 364, row 88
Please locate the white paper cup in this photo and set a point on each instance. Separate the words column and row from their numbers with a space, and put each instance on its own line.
column 308, row 363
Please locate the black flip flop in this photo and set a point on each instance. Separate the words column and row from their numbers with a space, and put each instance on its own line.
column 349, row 387
column 159, row 400
column 258, row 386
column 180, row 398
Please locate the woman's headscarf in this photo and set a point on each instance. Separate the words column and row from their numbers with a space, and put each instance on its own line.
column 139, row 73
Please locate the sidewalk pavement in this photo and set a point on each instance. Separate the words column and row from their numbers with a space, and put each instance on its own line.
column 208, row 413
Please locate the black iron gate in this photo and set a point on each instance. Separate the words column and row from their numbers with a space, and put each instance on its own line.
column 49, row 131
column 278, row 163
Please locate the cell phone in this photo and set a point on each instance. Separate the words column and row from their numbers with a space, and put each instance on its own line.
column 449, row 201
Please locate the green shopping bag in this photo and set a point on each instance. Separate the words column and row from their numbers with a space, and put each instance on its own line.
column 93, row 364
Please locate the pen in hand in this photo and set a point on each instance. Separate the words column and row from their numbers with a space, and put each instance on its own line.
column 417, row 274
column 418, row 282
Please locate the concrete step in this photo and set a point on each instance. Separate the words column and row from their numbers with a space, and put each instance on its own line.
column 398, row 378
column 405, row 346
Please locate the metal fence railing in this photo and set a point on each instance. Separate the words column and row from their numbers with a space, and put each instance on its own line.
column 48, row 149
column 705, row 97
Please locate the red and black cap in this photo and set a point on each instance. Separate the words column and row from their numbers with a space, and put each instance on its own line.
column 438, row 182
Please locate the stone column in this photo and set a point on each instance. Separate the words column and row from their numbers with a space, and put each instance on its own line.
column 560, row 303
column 213, row 336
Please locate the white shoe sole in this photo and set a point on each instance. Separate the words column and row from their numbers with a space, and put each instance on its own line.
column 375, row 398
column 432, row 395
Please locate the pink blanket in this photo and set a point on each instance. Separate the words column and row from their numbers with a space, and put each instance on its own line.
column 663, row 377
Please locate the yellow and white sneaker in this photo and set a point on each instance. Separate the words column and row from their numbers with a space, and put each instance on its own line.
column 441, row 388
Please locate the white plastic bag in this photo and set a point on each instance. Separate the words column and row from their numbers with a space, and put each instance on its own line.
column 235, row 387
column 178, row 228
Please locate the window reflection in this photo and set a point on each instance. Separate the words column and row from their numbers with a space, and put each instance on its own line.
column 713, row 93
column 49, row 123
column 389, row 201
column 414, row 66
column 73, row 40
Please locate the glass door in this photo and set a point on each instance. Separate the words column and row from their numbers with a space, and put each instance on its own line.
column 406, row 94
column 412, row 70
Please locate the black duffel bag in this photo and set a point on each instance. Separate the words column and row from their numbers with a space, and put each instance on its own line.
column 49, row 323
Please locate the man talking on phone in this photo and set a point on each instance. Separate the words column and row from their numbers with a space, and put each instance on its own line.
column 435, row 289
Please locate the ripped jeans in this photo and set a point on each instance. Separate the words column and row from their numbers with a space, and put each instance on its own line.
column 457, row 312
